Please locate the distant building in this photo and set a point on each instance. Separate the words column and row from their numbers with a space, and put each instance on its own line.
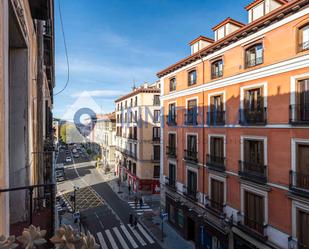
column 235, row 158
column 138, row 138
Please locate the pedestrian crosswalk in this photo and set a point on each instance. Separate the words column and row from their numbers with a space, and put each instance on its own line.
column 138, row 208
column 124, row 237
column 63, row 204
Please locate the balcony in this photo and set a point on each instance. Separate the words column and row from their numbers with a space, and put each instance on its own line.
column 299, row 183
column 215, row 162
column 303, row 46
column 155, row 158
column 255, row 228
column 170, row 183
column 253, row 172
column 191, row 156
column 216, row 74
column 299, row 114
column 215, row 206
column 171, row 119
column 253, row 116
column 253, row 62
column 156, row 139
column 190, row 193
column 191, row 118
column 171, row 151
column 216, row 118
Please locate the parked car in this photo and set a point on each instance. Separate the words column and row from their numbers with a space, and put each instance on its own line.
column 68, row 159
column 76, row 155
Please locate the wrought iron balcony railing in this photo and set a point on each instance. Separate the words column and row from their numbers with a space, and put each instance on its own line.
column 216, row 74
column 254, row 62
column 191, row 155
column 253, row 171
column 191, row 118
column 215, row 162
column 216, row 118
column 299, row 183
column 190, row 193
column 249, row 116
column 171, row 119
column 303, row 46
column 155, row 158
column 218, row 207
column 171, row 151
column 299, row 114
column 170, row 183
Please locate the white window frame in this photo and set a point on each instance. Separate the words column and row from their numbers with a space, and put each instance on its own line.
column 293, row 81
column 192, row 98
column 218, row 178
column 297, row 205
column 216, row 94
column 294, row 143
column 217, row 135
column 194, row 134
column 260, row 138
column 247, row 87
column 256, row 191
column 189, row 168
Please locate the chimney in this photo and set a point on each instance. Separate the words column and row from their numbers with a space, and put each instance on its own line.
column 226, row 27
column 200, row 43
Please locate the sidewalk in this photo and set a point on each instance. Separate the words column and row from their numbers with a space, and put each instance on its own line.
column 151, row 221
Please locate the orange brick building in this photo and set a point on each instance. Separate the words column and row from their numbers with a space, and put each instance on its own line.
column 235, row 154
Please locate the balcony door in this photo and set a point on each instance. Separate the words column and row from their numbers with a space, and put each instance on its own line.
column 253, row 100
column 192, row 111
column 172, row 140
column 191, row 144
column 216, row 103
column 302, row 166
column 254, row 152
column 156, row 152
column 303, row 99
column 217, row 148
column 172, row 173
column 303, row 229
column 192, row 182
column 217, row 194
column 254, row 211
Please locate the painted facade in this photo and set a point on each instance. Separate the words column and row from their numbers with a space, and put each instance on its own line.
column 235, row 138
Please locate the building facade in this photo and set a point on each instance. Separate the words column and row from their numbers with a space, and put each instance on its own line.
column 138, row 138
column 235, row 142
column 105, row 135
column 26, row 137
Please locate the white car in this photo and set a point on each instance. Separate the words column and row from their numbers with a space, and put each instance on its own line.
column 68, row 159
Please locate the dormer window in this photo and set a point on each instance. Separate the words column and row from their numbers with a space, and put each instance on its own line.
column 254, row 55
column 200, row 43
column 172, row 84
column 226, row 27
column 217, row 69
column 303, row 38
column 192, row 77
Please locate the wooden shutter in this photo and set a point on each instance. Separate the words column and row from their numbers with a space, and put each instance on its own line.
column 303, row 228
column 303, row 159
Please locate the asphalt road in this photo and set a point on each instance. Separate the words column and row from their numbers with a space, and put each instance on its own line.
column 102, row 212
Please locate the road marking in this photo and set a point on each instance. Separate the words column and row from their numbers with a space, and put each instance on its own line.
column 143, row 210
column 102, row 241
column 147, row 236
column 111, row 239
column 139, row 238
column 126, row 232
column 120, row 238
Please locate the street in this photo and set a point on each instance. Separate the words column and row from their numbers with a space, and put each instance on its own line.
column 102, row 212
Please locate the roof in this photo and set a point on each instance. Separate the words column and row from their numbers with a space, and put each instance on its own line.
column 108, row 116
column 228, row 20
column 256, row 2
column 137, row 91
column 201, row 38
column 270, row 18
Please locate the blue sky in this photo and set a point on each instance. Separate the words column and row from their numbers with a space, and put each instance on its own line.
column 113, row 44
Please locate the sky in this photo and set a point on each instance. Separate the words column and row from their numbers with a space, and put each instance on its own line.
column 116, row 44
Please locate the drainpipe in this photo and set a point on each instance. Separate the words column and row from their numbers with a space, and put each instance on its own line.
column 203, row 130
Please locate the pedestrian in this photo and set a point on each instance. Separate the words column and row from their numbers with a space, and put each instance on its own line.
column 135, row 202
column 140, row 202
column 129, row 188
column 135, row 222
column 131, row 219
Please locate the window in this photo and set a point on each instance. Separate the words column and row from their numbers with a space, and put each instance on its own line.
column 171, row 215
column 172, row 174
column 302, row 101
column 156, row 116
column 217, row 149
column 131, row 102
column 217, row 195
column 192, row 77
column 172, row 140
column 135, row 117
column 254, row 55
column 302, row 166
column 156, row 100
column 135, row 150
column 180, row 218
column 125, row 117
column 156, row 133
column 303, row 38
column 134, row 168
column 216, row 116
column 131, row 116
column 217, row 69
column 303, row 229
column 254, row 211
column 191, row 143
column 191, row 115
column 192, row 182
column 172, row 84
column 125, row 104
column 253, row 99
column 135, row 133
column 254, row 152
column 135, row 103
column 171, row 118
column 156, row 171
column 156, row 152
